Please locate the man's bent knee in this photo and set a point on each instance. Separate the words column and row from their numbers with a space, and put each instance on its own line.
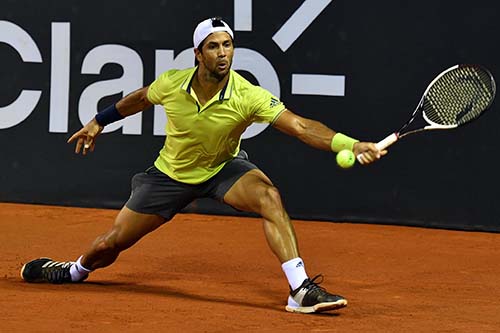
column 270, row 200
column 108, row 242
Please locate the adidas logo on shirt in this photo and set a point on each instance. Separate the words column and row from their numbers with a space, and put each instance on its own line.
column 274, row 102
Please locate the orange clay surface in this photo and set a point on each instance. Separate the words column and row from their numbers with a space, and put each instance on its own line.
column 202, row 273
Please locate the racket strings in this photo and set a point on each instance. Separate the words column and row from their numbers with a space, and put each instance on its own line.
column 459, row 96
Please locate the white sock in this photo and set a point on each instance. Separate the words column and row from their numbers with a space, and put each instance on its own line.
column 295, row 272
column 77, row 271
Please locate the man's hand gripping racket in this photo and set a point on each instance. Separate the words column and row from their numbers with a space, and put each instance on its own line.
column 455, row 97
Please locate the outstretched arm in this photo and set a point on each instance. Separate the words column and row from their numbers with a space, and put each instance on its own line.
column 133, row 103
column 318, row 135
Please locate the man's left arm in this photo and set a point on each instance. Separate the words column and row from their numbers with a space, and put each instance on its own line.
column 320, row 136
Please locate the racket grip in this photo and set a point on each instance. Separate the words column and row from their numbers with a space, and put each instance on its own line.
column 381, row 145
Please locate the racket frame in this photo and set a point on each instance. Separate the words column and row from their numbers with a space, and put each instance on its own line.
column 392, row 138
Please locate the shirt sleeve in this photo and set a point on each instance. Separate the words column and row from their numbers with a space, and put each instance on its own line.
column 160, row 88
column 266, row 107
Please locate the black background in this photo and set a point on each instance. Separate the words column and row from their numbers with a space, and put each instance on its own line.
column 388, row 51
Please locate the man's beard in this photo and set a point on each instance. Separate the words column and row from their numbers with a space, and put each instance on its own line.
column 220, row 75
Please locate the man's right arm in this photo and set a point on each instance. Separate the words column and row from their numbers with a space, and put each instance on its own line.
column 133, row 103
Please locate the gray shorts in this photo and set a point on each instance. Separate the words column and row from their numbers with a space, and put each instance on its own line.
column 153, row 192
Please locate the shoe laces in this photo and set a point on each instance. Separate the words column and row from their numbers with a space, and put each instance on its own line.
column 313, row 285
column 56, row 271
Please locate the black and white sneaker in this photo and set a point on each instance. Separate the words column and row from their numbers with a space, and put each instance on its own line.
column 311, row 298
column 47, row 270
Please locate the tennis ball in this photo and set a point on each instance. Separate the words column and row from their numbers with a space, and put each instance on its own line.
column 345, row 158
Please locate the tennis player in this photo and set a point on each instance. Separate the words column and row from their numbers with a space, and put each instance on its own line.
column 208, row 108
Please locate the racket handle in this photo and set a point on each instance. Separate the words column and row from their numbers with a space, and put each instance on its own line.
column 381, row 145
column 387, row 141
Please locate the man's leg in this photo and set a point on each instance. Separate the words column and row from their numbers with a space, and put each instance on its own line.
column 154, row 194
column 254, row 192
column 128, row 228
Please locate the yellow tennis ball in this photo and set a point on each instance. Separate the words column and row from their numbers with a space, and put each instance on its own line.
column 345, row 158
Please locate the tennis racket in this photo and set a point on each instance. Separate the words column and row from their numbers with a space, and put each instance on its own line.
column 455, row 97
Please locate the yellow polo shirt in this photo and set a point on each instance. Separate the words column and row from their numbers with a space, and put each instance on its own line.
column 202, row 139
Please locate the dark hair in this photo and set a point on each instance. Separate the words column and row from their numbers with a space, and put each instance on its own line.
column 217, row 21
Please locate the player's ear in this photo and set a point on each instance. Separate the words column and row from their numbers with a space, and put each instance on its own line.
column 197, row 56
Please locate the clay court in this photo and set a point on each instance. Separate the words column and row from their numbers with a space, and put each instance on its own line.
column 203, row 273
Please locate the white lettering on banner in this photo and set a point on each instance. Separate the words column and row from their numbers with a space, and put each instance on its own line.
column 59, row 78
column 243, row 15
column 315, row 84
column 298, row 22
column 133, row 71
column 16, row 112
column 131, row 80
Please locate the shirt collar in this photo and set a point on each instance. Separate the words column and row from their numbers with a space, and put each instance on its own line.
column 186, row 85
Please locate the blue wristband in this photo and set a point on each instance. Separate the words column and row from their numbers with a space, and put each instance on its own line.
column 108, row 115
